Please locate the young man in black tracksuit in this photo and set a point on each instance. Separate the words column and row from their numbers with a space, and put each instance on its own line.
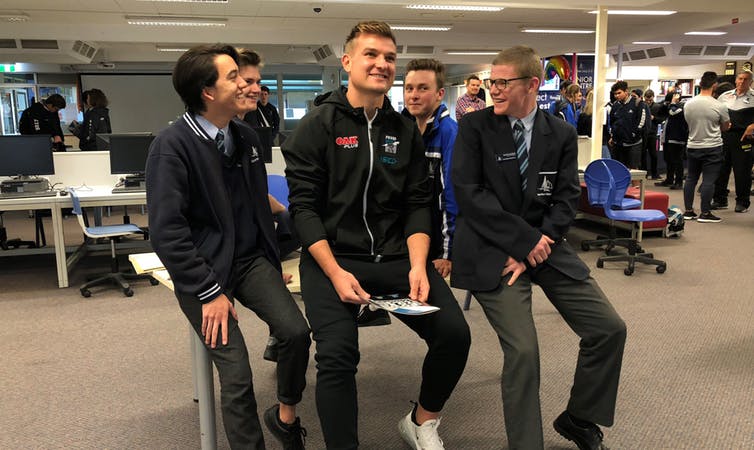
column 211, row 226
column 626, row 126
column 360, row 200
column 42, row 118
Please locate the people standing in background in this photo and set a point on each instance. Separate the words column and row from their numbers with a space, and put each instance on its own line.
column 738, row 151
column 626, row 126
column 584, row 123
column 707, row 119
column 43, row 118
column 571, row 108
column 96, row 120
column 650, row 142
column 268, row 112
column 674, row 146
column 515, row 174
column 469, row 101
column 557, row 105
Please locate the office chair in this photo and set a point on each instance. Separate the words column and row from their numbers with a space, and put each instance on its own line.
column 622, row 182
column 277, row 186
column 112, row 232
column 602, row 180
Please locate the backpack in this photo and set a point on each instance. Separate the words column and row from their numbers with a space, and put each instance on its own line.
column 676, row 223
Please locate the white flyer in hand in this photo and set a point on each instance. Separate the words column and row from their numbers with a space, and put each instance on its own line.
column 400, row 305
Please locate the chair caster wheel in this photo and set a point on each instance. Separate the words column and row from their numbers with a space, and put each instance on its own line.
column 600, row 264
column 153, row 282
column 661, row 269
column 585, row 246
column 86, row 293
column 128, row 292
column 628, row 271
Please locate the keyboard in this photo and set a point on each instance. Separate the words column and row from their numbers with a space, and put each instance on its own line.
column 125, row 190
column 28, row 194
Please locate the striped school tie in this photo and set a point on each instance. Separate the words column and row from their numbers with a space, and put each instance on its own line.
column 521, row 152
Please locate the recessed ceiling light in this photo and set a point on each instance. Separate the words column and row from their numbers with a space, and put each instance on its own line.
column 471, row 52
column 706, row 33
column 187, row 1
column 457, row 8
column 651, row 42
column 740, row 43
column 407, row 27
column 172, row 49
column 14, row 17
column 557, row 30
column 628, row 12
column 159, row 21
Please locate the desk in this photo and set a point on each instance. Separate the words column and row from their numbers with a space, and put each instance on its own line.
column 95, row 196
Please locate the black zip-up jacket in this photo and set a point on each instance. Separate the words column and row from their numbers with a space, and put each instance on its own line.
column 191, row 222
column 96, row 121
column 36, row 119
column 364, row 200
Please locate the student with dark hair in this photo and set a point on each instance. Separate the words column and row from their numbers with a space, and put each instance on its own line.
column 43, row 118
column 211, row 225
column 626, row 126
column 706, row 118
column 676, row 136
column 361, row 202
column 96, row 120
column 654, row 119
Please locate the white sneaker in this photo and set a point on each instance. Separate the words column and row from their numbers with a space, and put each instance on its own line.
column 422, row 437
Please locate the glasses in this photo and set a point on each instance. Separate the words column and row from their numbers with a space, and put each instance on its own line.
column 501, row 83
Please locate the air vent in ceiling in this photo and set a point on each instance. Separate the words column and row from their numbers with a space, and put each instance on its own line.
column 86, row 50
column 715, row 50
column 691, row 50
column 323, row 52
column 657, row 52
column 43, row 44
column 739, row 50
column 8, row 43
column 637, row 55
column 420, row 49
column 625, row 57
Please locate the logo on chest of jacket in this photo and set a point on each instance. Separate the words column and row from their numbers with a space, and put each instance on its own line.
column 254, row 154
column 347, row 142
column 391, row 144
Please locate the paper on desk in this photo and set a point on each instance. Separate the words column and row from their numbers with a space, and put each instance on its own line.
column 145, row 262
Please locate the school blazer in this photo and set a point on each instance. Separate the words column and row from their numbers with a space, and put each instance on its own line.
column 496, row 219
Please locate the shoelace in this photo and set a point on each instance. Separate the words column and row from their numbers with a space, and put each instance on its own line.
column 428, row 432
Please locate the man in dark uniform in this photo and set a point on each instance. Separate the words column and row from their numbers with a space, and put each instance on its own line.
column 42, row 118
column 515, row 176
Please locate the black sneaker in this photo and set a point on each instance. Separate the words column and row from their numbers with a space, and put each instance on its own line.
column 719, row 205
column 292, row 436
column 271, row 350
column 369, row 318
column 676, row 187
column 708, row 217
column 741, row 208
column 689, row 215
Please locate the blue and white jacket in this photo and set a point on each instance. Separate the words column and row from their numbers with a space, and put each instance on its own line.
column 439, row 138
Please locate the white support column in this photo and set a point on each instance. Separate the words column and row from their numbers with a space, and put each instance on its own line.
column 600, row 64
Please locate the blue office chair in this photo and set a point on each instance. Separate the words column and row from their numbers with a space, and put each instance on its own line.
column 113, row 233
column 606, row 183
column 597, row 197
column 277, row 186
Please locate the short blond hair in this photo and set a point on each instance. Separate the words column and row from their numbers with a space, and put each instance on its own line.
column 369, row 27
column 523, row 58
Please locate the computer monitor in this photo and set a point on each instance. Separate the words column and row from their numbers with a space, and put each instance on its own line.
column 128, row 153
column 26, row 156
